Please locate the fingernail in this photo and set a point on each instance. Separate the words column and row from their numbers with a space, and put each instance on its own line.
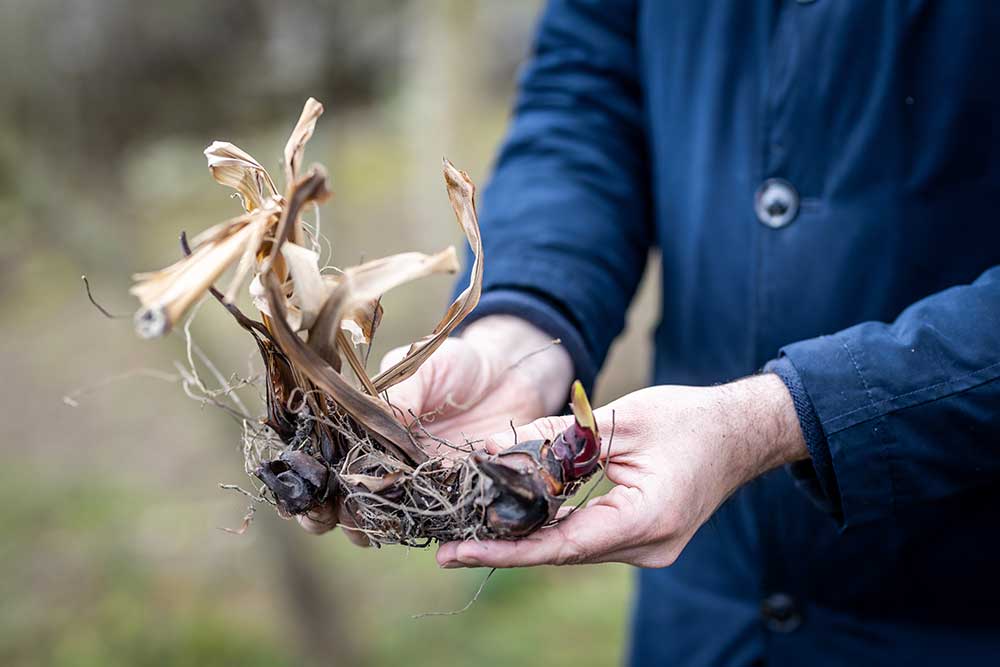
column 451, row 565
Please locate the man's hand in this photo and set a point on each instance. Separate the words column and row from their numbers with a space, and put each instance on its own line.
column 501, row 369
column 677, row 454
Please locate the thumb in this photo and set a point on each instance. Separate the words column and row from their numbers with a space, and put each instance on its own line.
column 545, row 428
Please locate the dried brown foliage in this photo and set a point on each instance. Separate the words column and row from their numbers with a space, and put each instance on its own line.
column 330, row 445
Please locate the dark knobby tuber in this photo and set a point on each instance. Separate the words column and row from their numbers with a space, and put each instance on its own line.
column 527, row 483
column 532, row 478
column 298, row 481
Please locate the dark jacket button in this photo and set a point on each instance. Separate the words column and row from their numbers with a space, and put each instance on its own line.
column 780, row 613
column 776, row 203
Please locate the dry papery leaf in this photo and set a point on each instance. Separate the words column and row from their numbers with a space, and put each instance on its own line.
column 311, row 321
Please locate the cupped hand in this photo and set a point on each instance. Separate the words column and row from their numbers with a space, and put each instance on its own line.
column 676, row 455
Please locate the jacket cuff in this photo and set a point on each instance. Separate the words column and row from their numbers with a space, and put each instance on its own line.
column 545, row 315
column 858, row 483
column 814, row 477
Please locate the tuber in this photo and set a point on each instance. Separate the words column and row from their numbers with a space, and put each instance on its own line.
column 532, row 478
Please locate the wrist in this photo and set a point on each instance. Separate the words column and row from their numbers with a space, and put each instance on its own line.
column 763, row 425
column 513, row 345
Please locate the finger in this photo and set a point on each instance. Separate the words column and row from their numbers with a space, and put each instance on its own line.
column 558, row 545
column 646, row 548
column 392, row 357
column 618, row 433
column 614, row 433
column 326, row 517
column 540, row 429
column 319, row 520
column 406, row 399
column 350, row 528
column 447, row 555
column 587, row 536
column 356, row 537
column 565, row 511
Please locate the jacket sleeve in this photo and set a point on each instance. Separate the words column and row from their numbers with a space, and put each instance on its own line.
column 565, row 216
column 907, row 412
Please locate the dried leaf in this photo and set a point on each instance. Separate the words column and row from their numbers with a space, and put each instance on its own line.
column 371, row 483
column 235, row 168
column 301, row 134
column 372, row 414
column 259, row 227
column 258, row 297
column 309, row 291
column 353, row 329
column 361, row 287
column 369, row 281
column 363, row 321
column 166, row 294
column 366, row 282
column 461, row 192
column 358, row 366
column 310, row 188
column 253, row 327
column 323, row 334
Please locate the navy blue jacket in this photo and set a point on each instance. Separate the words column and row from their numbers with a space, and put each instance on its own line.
column 864, row 275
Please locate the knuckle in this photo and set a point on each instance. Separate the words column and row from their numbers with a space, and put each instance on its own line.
column 357, row 538
column 549, row 427
column 314, row 527
column 571, row 551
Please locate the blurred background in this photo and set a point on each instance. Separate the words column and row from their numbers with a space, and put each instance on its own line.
column 112, row 552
